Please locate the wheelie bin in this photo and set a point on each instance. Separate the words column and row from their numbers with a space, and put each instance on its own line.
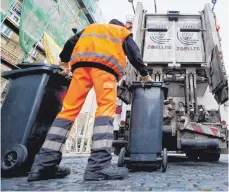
column 33, row 100
column 145, row 134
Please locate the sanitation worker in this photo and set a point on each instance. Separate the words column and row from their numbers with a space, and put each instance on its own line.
column 128, row 25
column 97, row 56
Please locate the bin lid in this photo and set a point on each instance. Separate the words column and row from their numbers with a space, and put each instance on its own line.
column 28, row 65
column 161, row 84
column 148, row 84
column 29, row 71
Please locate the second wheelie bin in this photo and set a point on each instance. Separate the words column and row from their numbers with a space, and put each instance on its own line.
column 145, row 134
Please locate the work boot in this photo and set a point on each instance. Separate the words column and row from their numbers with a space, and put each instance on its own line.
column 58, row 172
column 109, row 173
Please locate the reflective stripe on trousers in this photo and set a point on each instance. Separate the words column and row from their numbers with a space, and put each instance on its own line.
column 103, row 133
column 57, row 134
column 102, row 139
column 50, row 152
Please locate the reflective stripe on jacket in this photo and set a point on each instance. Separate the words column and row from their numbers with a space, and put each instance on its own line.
column 102, row 43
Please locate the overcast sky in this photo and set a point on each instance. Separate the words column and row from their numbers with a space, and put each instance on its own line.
column 121, row 8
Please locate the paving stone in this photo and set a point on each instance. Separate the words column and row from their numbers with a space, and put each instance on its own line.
column 181, row 175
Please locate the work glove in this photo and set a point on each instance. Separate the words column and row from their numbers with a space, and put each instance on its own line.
column 65, row 72
column 145, row 79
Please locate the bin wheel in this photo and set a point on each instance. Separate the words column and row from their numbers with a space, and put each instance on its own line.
column 164, row 160
column 121, row 157
column 14, row 157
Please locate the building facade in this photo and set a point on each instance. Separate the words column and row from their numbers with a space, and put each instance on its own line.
column 12, row 52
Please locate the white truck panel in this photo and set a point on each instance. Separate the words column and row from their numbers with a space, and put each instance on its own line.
column 173, row 45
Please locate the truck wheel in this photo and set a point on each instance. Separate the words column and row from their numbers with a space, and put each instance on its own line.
column 209, row 157
column 121, row 157
column 164, row 160
column 192, row 155
column 14, row 157
column 117, row 150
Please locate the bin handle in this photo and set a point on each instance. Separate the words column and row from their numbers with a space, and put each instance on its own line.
column 155, row 29
column 56, row 70
column 67, row 77
column 190, row 30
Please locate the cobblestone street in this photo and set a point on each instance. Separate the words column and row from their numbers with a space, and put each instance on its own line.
column 181, row 175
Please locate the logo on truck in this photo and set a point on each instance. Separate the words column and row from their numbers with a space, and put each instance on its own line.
column 160, row 39
column 189, row 39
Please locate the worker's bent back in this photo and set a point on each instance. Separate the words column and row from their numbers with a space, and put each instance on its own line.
column 100, row 46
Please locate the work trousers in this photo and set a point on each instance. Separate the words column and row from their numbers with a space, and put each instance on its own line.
column 105, row 86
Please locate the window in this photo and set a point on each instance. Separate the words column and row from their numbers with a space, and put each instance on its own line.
column 15, row 14
column 17, row 9
column 40, row 44
column 14, row 17
column 34, row 53
column 6, row 31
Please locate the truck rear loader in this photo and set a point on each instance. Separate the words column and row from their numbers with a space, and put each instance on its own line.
column 183, row 51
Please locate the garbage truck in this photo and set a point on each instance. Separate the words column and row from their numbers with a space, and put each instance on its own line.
column 183, row 51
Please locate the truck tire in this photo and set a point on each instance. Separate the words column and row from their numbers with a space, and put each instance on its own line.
column 117, row 150
column 209, row 157
column 121, row 157
column 164, row 160
column 118, row 145
column 192, row 155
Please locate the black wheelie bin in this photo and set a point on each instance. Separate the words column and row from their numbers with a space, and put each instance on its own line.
column 33, row 100
column 145, row 134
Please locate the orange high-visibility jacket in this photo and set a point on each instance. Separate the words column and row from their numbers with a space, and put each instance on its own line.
column 102, row 43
